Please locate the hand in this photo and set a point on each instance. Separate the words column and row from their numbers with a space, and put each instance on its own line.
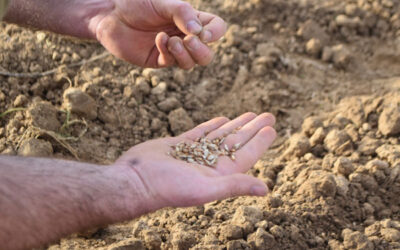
column 149, row 33
column 170, row 182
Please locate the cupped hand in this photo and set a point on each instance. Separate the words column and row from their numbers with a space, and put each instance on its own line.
column 157, row 33
column 170, row 182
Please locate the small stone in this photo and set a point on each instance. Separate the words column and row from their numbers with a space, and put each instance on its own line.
column 368, row 145
column 268, row 50
column 148, row 73
column 20, row 101
column 343, row 166
column 341, row 56
column 108, row 115
column 128, row 92
column 389, row 120
column 299, row 146
column 327, row 54
column 247, row 215
column 142, row 85
column 36, row 148
column 169, row 104
column 274, row 200
column 335, row 139
column 277, row 231
column 318, row 137
column 343, row 20
column 156, row 124
column 351, row 9
column 310, row 125
column 390, row 234
column 261, row 240
column 160, row 89
column 314, row 47
column 356, row 240
column 342, row 185
column 311, row 29
column 231, row 232
column 236, row 245
column 182, row 240
column 180, row 121
column 80, row 103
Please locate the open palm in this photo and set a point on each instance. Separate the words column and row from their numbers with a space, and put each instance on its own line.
column 171, row 182
column 158, row 33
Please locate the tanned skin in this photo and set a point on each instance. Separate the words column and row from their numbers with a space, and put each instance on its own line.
column 42, row 200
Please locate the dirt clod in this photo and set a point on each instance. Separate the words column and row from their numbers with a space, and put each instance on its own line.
column 44, row 116
column 180, row 121
column 36, row 148
column 389, row 120
column 79, row 102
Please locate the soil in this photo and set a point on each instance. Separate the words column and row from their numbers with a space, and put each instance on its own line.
column 328, row 70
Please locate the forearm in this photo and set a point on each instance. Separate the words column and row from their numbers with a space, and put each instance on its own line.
column 42, row 200
column 70, row 17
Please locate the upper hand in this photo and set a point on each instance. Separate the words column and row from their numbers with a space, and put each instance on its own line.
column 157, row 33
column 170, row 182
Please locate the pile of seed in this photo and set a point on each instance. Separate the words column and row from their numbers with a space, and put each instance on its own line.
column 203, row 151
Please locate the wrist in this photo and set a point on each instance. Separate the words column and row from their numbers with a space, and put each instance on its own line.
column 77, row 18
column 135, row 197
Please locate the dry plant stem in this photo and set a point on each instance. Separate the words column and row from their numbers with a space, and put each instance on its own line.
column 10, row 111
column 52, row 71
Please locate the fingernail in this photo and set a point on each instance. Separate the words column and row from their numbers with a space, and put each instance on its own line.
column 194, row 27
column 258, row 190
column 206, row 36
column 176, row 48
column 193, row 43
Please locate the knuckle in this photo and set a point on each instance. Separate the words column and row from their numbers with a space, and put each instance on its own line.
column 106, row 28
column 183, row 8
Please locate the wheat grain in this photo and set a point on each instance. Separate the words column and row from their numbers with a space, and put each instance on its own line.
column 204, row 151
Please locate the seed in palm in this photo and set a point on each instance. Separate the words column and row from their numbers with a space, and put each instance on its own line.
column 203, row 151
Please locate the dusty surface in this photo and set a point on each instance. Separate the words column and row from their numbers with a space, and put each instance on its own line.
column 328, row 70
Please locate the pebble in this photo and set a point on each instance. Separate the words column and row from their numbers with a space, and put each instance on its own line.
column 169, row 104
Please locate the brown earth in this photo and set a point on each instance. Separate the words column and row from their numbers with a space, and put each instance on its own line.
column 329, row 72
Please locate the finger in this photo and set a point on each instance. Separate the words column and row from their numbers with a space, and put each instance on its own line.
column 214, row 27
column 249, row 130
column 235, row 185
column 205, row 128
column 232, row 125
column 183, row 15
column 252, row 151
column 181, row 55
column 200, row 52
column 165, row 58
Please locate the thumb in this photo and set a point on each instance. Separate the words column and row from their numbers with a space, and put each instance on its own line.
column 183, row 14
column 237, row 185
